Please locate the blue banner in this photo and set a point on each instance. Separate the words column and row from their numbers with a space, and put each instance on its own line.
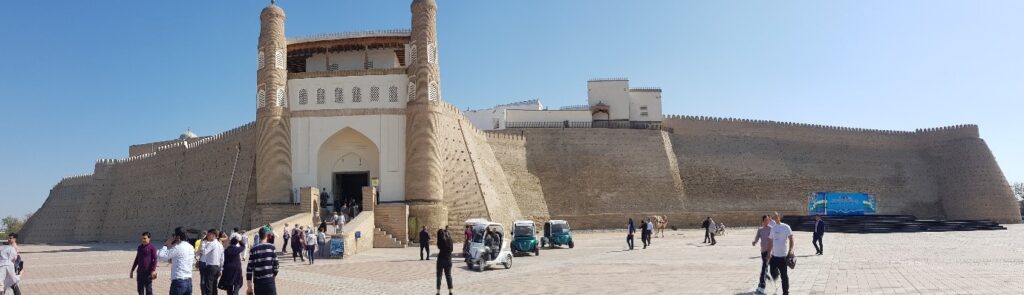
column 841, row 203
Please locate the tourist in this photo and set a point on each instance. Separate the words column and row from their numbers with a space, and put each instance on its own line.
column 781, row 250
column 212, row 259
column 324, row 197
column 9, row 275
column 643, row 232
column 712, row 229
column 271, row 235
column 262, row 267
column 444, row 259
column 237, row 234
column 341, row 221
column 630, row 230
column 198, row 247
column 819, row 232
column 323, row 226
column 424, row 242
column 707, row 232
column 650, row 231
column 468, row 233
column 310, row 244
column 297, row 243
column 321, row 243
column 144, row 265
column 231, row 275
column 762, row 235
column 284, row 237
column 180, row 253
column 495, row 242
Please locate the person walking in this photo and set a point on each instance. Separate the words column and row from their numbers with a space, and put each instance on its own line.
column 212, row 259
column 298, row 244
column 643, row 232
column 261, row 271
column 650, row 230
column 819, row 232
column 231, row 275
column 630, row 230
column 781, row 249
column 9, row 274
column 144, row 266
column 310, row 244
column 712, row 229
column 762, row 235
column 321, row 243
column 284, row 238
column 424, row 242
column 707, row 232
column 444, row 259
column 182, row 257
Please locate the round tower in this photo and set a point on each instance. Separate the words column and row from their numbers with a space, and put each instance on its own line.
column 423, row 179
column 273, row 142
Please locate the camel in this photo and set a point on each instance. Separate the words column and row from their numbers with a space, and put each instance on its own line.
column 660, row 223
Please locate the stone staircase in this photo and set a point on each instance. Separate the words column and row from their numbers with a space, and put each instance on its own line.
column 382, row 239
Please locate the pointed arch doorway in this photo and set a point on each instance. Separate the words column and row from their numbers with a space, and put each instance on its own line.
column 346, row 162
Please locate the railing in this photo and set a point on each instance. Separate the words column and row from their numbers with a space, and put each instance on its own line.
column 345, row 35
column 575, row 107
column 594, row 124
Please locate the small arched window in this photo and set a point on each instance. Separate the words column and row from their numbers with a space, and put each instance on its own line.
column 393, row 94
column 279, row 59
column 261, row 98
column 374, row 94
column 303, row 96
column 412, row 91
column 260, row 60
column 279, row 100
column 339, row 95
column 431, row 58
column 357, row 95
column 433, row 93
column 321, row 96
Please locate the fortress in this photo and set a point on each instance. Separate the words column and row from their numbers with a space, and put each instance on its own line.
column 362, row 116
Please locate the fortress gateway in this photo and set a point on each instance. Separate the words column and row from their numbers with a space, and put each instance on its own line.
column 350, row 112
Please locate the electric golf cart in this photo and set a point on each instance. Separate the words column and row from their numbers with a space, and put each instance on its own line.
column 524, row 238
column 485, row 252
column 556, row 233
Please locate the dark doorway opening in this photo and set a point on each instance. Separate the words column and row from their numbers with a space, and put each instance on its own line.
column 348, row 188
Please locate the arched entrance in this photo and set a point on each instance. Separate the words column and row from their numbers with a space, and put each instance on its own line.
column 346, row 162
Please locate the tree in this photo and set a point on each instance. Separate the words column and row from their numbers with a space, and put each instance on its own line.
column 12, row 224
column 1018, row 190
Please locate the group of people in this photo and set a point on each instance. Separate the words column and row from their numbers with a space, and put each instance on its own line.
column 305, row 242
column 219, row 262
column 10, row 266
column 777, row 257
column 711, row 230
column 646, row 231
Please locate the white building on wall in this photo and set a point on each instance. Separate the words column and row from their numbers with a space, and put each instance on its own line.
column 610, row 103
column 347, row 93
column 494, row 118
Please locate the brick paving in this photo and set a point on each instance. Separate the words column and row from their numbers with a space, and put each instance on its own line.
column 984, row 262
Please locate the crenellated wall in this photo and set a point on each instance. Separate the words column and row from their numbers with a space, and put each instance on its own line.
column 181, row 184
column 739, row 165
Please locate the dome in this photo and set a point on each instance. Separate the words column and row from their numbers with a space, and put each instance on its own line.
column 187, row 135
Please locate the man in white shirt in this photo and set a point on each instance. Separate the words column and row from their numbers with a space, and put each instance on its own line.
column 781, row 249
column 181, row 254
column 650, row 231
column 212, row 256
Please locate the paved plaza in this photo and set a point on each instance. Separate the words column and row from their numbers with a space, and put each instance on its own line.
column 984, row 262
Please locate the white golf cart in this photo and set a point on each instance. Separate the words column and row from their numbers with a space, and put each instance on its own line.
column 483, row 254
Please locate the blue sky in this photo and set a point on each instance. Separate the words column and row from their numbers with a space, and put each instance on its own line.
column 84, row 80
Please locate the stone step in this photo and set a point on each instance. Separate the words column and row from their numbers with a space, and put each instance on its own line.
column 382, row 239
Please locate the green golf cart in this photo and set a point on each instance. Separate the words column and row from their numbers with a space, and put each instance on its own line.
column 556, row 233
column 524, row 238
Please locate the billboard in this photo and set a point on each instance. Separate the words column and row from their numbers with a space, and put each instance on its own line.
column 841, row 203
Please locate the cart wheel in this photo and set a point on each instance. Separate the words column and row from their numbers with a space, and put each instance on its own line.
column 536, row 251
column 571, row 245
column 480, row 266
column 508, row 263
column 469, row 264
